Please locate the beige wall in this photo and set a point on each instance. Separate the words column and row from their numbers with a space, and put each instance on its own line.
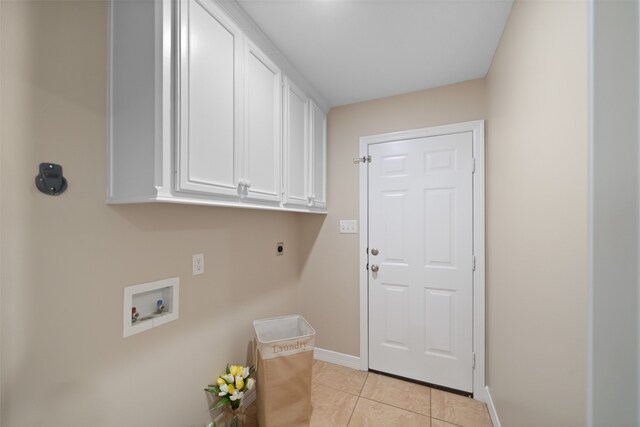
column 66, row 259
column 536, row 216
column 329, row 288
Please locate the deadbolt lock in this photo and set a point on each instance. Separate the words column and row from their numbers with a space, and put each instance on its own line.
column 374, row 251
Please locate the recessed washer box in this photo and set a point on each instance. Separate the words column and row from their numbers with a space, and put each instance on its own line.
column 145, row 298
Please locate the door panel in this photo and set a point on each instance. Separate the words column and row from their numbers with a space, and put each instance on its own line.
column 420, row 220
column 394, row 205
column 296, row 136
column 318, row 122
column 262, row 126
column 439, row 311
column 209, row 102
column 297, row 145
column 396, row 298
column 439, row 220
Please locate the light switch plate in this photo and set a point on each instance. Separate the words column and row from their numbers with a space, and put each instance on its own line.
column 348, row 226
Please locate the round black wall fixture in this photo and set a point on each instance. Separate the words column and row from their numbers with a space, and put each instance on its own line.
column 50, row 180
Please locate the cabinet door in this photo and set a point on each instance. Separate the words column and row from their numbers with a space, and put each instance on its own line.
column 318, row 156
column 296, row 119
column 263, row 120
column 209, row 99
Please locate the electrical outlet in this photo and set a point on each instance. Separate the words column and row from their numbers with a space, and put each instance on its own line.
column 197, row 264
column 348, row 226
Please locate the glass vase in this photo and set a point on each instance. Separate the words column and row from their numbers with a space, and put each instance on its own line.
column 234, row 417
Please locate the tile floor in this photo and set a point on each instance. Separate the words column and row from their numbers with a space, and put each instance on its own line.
column 346, row 397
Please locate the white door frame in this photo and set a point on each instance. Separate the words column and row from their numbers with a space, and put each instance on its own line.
column 477, row 128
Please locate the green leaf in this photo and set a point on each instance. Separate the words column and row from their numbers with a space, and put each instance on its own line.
column 220, row 403
column 228, row 369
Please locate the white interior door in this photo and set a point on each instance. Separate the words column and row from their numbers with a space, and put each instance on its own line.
column 421, row 259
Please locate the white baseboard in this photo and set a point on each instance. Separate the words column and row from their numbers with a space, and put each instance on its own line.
column 492, row 409
column 336, row 358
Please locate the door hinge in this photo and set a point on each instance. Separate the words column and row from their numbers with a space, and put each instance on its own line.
column 473, row 166
column 473, row 364
column 473, row 263
column 363, row 159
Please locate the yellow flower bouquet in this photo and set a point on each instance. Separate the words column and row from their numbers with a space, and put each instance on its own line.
column 231, row 386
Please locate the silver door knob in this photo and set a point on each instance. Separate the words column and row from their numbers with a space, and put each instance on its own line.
column 374, row 268
column 374, row 251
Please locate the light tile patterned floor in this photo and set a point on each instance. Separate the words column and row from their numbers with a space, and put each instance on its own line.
column 344, row 397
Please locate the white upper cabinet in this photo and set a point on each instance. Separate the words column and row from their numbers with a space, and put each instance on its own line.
column 262, row 154
column 209, row 123
column 198, row 113
column 318, row 156
column 296, row 141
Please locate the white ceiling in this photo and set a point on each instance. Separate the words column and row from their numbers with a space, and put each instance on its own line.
column 356, row 50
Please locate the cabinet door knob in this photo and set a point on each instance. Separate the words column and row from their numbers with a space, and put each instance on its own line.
column 242, row 188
